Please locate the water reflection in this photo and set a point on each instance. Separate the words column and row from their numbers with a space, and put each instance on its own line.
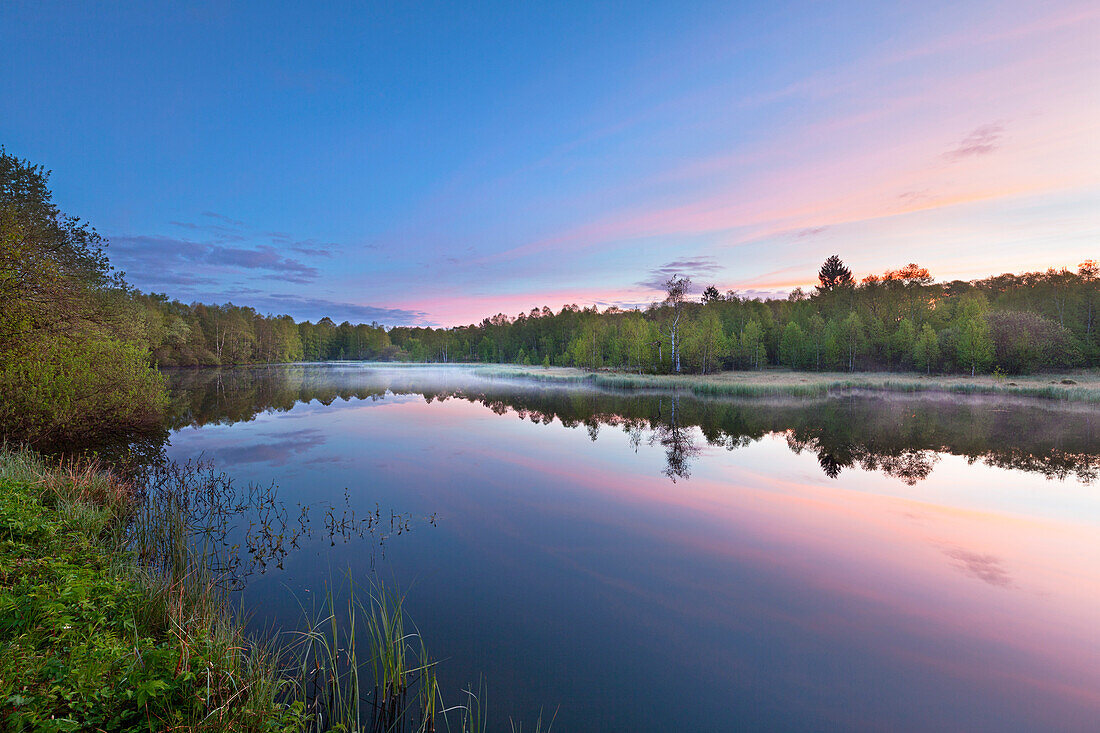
column 669, row 563
column 901, row 436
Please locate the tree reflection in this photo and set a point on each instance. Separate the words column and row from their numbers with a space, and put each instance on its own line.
column 900, row 436
column 677, row 440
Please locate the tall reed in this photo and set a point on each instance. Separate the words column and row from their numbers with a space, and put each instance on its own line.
column 394, row 691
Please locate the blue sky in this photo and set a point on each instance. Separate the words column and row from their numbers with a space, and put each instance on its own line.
column 418, row 163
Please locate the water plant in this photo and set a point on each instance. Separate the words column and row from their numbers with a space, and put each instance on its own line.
column 116, row 614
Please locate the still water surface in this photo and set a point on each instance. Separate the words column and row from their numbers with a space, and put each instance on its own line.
column 645, row 562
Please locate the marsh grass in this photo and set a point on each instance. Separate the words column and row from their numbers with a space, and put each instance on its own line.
column 809, row 386
column 393, row 687
column 518, row 727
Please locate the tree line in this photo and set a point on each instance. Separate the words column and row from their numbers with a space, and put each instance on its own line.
column 899, row 320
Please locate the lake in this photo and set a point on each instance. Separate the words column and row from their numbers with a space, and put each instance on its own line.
column 654, row 562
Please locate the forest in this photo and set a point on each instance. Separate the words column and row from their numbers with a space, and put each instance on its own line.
column 79, row 347
column 900, row 320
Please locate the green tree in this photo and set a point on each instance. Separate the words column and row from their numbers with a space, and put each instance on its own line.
column 817, row 339
column 901, row 343
column 974, row 344
column 833, row 274
column 926, row 349
column 74, row 359
column 711, row 341
column 794, row 346
column 637, row 341
column 754, row 353
column 853, row 338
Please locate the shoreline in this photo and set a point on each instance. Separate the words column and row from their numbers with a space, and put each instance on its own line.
column 1078, row 386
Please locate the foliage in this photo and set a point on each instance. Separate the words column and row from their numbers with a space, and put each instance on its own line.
column 794, row 347
column 69, row 388
column 71, row 361
column 833, row 274
column 926, row 349
column 1025, row 342
column 973, row 343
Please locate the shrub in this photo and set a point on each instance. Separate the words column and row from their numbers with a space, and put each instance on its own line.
column 1024, row 342
column 65, row 389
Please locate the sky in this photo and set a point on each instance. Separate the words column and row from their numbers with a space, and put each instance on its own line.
column 420, row 163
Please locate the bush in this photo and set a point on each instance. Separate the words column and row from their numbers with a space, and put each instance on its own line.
column 66, row 389
column 1024, row 342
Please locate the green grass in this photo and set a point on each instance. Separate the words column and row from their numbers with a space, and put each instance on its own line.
column 396, row 689
column 89, row 642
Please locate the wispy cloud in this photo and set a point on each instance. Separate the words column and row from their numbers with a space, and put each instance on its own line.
column 150, row 275
column 223, row 218
column 695, row 268
column 986, row 568
column 312, row 251
column 167, row 255
column 982, row 141
column 225, row 229
column 339, row 311
column 215, row 232
column 274, row 450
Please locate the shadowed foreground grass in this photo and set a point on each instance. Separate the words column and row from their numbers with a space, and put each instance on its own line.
column 90, row 641
column 1072, row 387
column 113, row 618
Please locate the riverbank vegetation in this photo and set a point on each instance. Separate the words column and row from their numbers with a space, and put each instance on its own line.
column 1077, row 386
column 93, row 641
column 116, row 614
column 74, row 359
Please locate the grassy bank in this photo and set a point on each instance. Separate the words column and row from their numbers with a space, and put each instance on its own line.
column 113, row 617
column 89, row 640
column 1081, row 386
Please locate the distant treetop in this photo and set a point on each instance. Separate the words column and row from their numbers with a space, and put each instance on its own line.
column 833, row 274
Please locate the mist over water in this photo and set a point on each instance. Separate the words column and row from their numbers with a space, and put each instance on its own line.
column 655, row 561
